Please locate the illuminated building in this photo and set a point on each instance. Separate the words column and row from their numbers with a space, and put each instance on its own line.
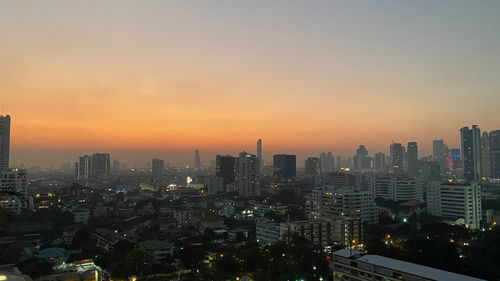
column 246, row 174
column 14, row 180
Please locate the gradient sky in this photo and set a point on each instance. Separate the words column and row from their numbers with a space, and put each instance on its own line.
column 158, row 78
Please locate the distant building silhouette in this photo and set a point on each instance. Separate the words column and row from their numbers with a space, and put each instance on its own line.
column 225, row 168
column 471, row 152
column 157, row 167
column 312, row 166
column 284, row 166
column 397, row 158
column 412, row 158
column 4, row 142
column 495, row 154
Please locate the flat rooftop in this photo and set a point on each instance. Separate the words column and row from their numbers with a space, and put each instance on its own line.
column 406, row 267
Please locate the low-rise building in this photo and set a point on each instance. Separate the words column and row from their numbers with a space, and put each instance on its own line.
column 354, row 265
column 158, row 250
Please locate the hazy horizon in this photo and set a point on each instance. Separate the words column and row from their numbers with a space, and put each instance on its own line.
column 157, row 79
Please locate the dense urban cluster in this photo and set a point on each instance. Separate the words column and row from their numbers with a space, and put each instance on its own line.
column 401, row 216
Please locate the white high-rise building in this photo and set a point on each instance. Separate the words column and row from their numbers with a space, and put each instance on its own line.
column 455, row 202
column 246, row 171
column 14, row 180
column 394, row 188
column 328, row 201
column 4, row 142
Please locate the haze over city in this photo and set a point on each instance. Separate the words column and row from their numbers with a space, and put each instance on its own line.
column 149, row 78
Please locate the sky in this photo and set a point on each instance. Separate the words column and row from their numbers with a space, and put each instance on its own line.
column 144, row 79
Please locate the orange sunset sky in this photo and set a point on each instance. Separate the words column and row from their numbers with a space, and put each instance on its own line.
column 143, row 79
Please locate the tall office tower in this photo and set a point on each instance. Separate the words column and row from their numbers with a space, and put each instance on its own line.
column 471, row 152
column 397, row 158
column 331, row 162
column 439, row 153
column 246, row 174
column 260, row 161
column 157, row 166
column 362, row 161
column 101, row 165
column 197, row 161
column 83, row 167
column 14, row 180
column 455, row 159
column 339, row 162
column 495, row 154
column 379, row 162
column 412, row 157
column 485, row 155
column 312, row 166
column 326, row 162
column 284, row 166
column 455, row 202
column 225, row 168
column 4, row 142
column 323, row 163
column 329, row 201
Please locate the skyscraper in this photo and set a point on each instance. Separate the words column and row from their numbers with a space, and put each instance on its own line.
column 362, row 161
column 485, row 155
column 4, row 142
column 412, row 158
column 101, row 165
column 439, row 153
column 197, row 161
column 471, row 152
column 326, row 162
column 495, row 154
column 83, row 167
column 157, row 166
column 259, row 156
column 397, row 158
column 379, row 161
column 339, row 162
column 284, row 166
column 312, row 166
column 225, row 168
column 246, row 174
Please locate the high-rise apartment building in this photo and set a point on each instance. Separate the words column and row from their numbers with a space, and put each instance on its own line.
column 379, row 162
column 101, row 165
column 394, row 188
column 397, row 165
column 485, row 155
column 225, row 168
column 312, row 166
column 14, row 180
column 4, row 142
column 327, row 202
column 326, row 162
column 494, row 138
column 455, row 202
column 412, row 158
column 471, row 152
column 284, row 166
column 339, row 162
column 157, row 167
column 362, row 161
column 246, row 174
column 439, row 153
column 83, row 168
